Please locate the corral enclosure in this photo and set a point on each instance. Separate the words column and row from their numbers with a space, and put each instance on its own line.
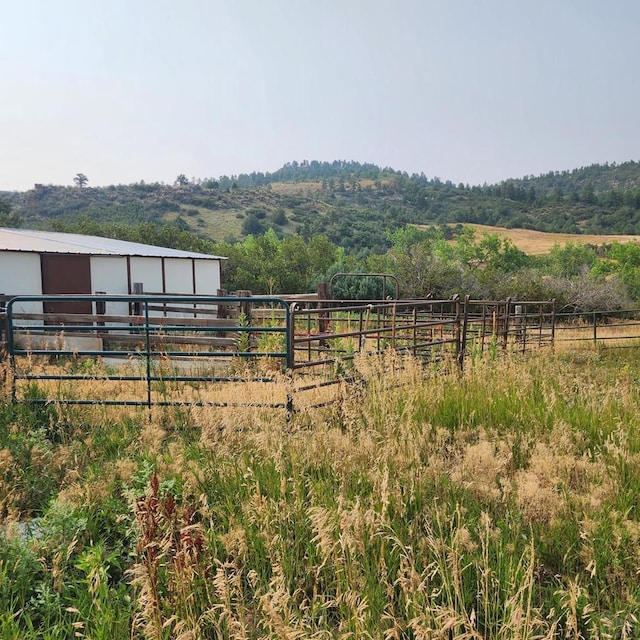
column 496, row 500
column 181, row 350
column 201, row 345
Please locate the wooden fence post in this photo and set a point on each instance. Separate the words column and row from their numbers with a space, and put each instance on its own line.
column 222, row 308
column 101, row 307
column 245, row 307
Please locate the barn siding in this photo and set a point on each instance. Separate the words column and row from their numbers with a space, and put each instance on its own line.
column 20, row 274
column 109, row 274
column 178, row 276
column 207, row 277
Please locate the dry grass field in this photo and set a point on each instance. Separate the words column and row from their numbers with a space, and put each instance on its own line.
column 295, row 187
column 496, row 502
column 539, row 242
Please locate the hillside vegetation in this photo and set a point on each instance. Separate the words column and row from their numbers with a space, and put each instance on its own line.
column 284, row 232
column 355, row 205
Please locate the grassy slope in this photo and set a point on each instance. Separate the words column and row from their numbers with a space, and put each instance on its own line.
column 538, row 242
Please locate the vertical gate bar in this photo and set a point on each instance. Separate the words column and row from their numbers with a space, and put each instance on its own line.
column 415, row 329
column 393, row 326
column 484, row 326
column 290, row 324
column 308, row 336
column 595, row 329
column 507, row 311
column 148, row 346
column 553, row 323
column 11, row 348
column 462, row 348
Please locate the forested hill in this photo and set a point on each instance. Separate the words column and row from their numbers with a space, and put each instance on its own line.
column 354, row 204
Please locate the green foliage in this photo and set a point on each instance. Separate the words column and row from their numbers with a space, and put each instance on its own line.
column 8, row 219
column 347, row 216
column 355, row 205
column 268, row 264
column 571, row 259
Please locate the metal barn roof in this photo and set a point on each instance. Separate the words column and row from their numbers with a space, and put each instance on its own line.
column 27, row 240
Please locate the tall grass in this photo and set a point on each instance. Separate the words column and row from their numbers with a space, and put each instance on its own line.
column 496, row 502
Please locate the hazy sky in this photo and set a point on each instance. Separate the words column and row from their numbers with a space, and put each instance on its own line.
column 466, row 90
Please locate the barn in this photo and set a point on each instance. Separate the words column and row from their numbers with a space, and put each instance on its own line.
column 43, row 262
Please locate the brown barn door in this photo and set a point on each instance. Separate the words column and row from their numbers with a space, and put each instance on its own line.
column 64, row 273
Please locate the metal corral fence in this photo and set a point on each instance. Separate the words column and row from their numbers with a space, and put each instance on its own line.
column 605, row 329
column 162, row 350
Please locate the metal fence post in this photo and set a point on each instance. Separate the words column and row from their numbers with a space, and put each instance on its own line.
column 507, row 312
column 290, row 324
column 148, row 348
column 462, row 336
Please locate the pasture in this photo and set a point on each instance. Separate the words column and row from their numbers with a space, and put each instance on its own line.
column 500, row 501
column 540, row 242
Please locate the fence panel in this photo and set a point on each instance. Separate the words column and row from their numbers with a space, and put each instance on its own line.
column 200, row 350
column 136, row 359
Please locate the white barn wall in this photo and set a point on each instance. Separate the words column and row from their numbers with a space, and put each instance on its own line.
column 109, row 274
column 20, row 275
column 149, row 272
column 178, row 275
column 178, row 279
column 207, row 277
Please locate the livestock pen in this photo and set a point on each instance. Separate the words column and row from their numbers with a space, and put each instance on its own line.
column 193, row 350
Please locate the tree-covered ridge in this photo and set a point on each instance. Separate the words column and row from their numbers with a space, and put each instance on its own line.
column 602, row 177
column 306, row 171
column 355, row 205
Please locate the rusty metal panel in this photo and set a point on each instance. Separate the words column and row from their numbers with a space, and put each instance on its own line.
column 66, row 273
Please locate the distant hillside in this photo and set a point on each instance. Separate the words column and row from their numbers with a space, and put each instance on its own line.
column 354, row 204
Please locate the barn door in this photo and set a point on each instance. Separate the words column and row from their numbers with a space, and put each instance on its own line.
column 66, row 273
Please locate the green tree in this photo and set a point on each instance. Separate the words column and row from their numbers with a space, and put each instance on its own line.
column 80, row 180
column 8, row 219
column 571, row 259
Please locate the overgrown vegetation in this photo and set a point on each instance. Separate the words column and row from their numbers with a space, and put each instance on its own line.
column 500, row 502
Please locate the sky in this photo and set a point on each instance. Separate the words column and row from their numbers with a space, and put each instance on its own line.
column 470, row 91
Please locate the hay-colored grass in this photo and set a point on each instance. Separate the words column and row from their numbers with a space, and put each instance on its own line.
column 498, row 502
column 540, row 242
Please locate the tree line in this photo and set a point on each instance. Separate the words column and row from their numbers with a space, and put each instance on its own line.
column 436, row 262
